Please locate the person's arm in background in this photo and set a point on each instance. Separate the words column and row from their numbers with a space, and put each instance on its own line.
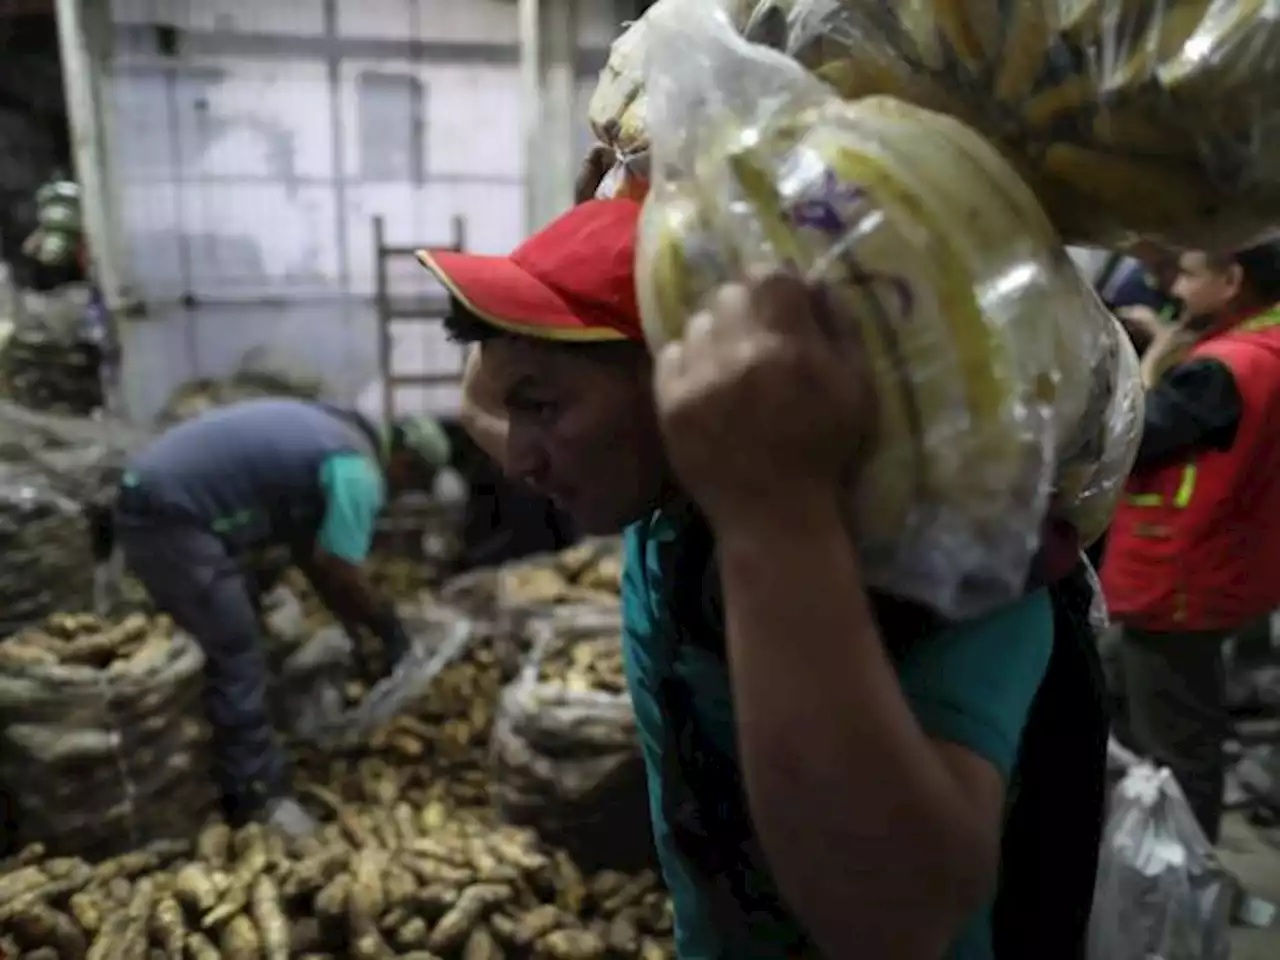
column 355, row 492
column 1142, row 324
column 1193, row 406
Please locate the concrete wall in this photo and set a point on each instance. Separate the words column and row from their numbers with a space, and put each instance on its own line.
column 256, row 140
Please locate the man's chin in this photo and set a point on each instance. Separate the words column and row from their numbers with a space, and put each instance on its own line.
column 601, row 523
column 597, row 526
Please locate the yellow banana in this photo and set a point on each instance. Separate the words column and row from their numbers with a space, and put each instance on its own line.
column 1086, row 21
column 966, row 32
column 934, row 352
column 1146, row 195
column 1030, row 35
column 854, row 78
column 1120, row 160
column 677, row 233
column 979, row 334
column 1059, row 319
column 1164, row 35
column 1144, row 130
column 940, row 189
column 1049, row 319
column 1072, row 96
column 1228, row 69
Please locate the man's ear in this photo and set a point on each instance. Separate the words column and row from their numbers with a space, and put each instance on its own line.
column 1234, row 277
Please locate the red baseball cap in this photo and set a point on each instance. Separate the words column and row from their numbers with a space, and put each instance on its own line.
column 574, row 280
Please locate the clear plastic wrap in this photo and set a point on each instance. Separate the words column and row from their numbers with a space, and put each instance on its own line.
column 439, row 637
column 983, row 339
column 1161, row 891
column 1091, row 477
column 1128, row 117
column 308, row 699
column 618, row 111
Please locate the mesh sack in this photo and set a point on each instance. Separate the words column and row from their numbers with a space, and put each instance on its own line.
column 46, row 561
column 103, row 759
column 564, row 754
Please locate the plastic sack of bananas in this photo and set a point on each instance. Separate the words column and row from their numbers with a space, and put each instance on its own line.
column 1128, row 117
column 986, row 344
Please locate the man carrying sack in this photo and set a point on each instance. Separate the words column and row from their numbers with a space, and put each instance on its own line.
column 830, row 770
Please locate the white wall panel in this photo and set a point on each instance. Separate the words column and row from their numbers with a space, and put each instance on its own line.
column 487, row 21
column 470, row 124
column 243, row 179
column 262, row 119
column 297, row 17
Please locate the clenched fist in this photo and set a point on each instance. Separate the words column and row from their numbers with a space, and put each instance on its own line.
column 591, row 173
column 765, row 403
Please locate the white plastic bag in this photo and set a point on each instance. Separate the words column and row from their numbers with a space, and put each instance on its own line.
column 314, row 677
column 1161, row 893
column 309, row 693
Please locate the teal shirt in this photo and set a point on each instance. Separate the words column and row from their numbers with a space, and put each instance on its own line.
column 354, row 492
column 971, row 684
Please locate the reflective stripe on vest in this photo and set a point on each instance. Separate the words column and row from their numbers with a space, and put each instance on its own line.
column 1187, row 485
column 1181, row 497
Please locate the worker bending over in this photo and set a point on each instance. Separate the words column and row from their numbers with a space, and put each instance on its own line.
column 202, row 501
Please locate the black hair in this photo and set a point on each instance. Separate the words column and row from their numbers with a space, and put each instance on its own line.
column 1260, row 266
column 464, row 326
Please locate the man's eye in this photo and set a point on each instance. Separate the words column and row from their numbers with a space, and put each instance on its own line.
column 533, row 408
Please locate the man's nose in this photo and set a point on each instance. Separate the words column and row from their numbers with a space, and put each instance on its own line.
column 526, row 459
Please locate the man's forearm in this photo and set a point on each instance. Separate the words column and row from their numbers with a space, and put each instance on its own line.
column 345, row 594
column 855, row 810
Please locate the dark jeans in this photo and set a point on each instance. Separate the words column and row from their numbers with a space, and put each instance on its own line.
column 189, row 574
column 1176, row 690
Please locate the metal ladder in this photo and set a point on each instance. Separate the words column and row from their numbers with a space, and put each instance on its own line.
column 432, row 308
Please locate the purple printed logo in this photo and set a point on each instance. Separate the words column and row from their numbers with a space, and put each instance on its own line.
column 828, row 206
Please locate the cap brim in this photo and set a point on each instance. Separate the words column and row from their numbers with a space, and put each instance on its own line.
column 505, row 295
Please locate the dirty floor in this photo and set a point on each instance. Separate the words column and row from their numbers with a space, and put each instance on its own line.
column 1254, row 857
